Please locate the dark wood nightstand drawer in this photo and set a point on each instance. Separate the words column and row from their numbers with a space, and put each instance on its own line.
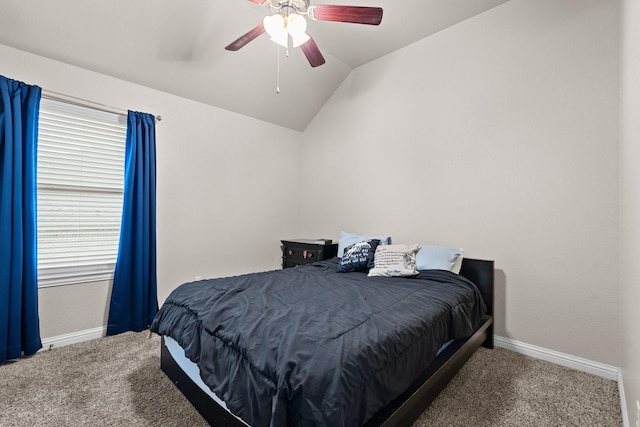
column 303, row 254
column 300, row 252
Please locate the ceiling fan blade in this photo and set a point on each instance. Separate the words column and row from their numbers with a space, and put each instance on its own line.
column 246, row 38
column 312, row 52
column 351, row 14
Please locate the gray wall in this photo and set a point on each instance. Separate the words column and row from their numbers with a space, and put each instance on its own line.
column 498, row 135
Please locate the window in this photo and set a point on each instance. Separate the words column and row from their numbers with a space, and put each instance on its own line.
column 80, row 190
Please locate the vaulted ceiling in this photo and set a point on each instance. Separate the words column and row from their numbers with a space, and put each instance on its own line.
column 177, row 46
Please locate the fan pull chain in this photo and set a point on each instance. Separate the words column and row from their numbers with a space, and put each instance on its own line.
column 286, row 52
column 278, row 69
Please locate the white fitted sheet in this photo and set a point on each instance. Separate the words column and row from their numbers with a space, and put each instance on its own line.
column 192, row 370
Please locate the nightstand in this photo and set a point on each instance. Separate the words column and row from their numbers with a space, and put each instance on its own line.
column 303, row 251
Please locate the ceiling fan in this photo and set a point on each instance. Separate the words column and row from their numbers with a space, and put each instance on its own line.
column 288, row 20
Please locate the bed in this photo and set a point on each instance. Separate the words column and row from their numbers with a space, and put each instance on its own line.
column 327, row 348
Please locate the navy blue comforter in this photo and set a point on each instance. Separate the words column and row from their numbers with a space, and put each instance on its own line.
column 309, row 346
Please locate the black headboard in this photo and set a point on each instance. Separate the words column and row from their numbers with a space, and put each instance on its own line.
column 480, row 272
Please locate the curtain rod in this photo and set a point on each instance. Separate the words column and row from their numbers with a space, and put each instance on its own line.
column 86, row 103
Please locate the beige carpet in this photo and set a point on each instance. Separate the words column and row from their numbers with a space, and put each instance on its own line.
column 502, row 388
column 116, row 381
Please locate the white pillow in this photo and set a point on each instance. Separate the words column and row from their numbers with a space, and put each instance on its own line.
column 394, row 260
column 431, row 257
column 348, row 239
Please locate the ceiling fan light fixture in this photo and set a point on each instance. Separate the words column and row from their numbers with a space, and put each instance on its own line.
column 297, row 27
column 274, row 25
column 288, row 20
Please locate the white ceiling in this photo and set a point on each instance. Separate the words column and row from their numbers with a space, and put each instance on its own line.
column 177, row 46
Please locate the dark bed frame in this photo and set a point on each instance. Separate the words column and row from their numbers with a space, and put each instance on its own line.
column 406, row 408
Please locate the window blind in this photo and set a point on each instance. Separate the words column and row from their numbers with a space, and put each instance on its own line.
column 80, row 176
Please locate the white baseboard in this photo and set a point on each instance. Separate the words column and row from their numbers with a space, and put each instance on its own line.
column 73, row 338
column 623, row 401
column 563, row 359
